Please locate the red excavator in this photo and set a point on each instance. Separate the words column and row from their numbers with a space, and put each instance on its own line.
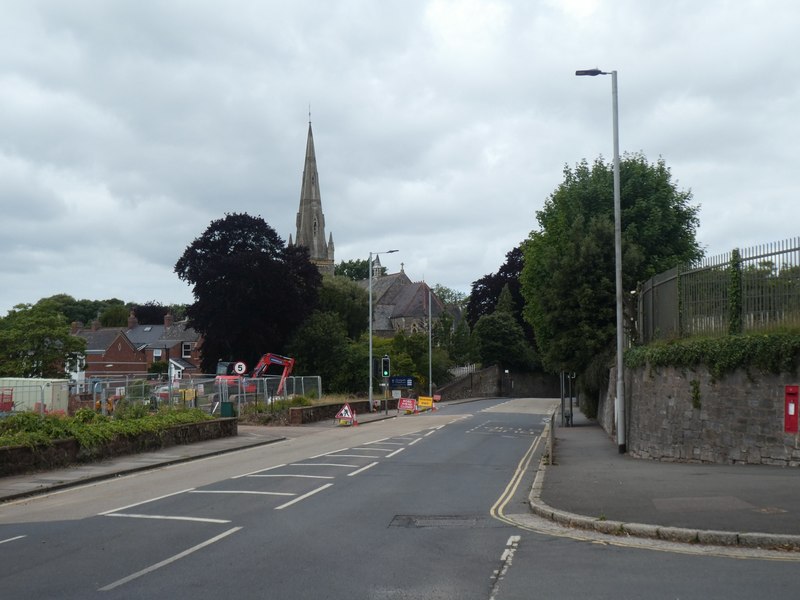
column 227, row 371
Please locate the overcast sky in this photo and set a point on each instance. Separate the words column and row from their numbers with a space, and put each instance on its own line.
column 440, row 126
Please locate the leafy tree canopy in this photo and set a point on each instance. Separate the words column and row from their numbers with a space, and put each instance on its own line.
column 83, row 311
column 486, row 293
column 499, row 339
column 251, row 291
column 349, row 301
column 318, row 346
column 35, row 342
column 355, row 270
column 115, row 315
column 151, row 313
column 568, row 275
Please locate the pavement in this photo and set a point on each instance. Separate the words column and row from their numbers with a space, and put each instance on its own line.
column 590, row 486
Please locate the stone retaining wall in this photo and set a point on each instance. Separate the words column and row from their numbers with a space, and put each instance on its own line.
column 686, row 415
column 21, row 459
column 300, row 415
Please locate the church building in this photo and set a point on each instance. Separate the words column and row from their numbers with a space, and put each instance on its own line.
column 310, row 219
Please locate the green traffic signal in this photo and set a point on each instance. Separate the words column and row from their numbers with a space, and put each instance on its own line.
column 385, row 366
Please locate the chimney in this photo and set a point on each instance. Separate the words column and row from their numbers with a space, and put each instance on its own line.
column 168, row 320
column 132, row 321
column 95, row 324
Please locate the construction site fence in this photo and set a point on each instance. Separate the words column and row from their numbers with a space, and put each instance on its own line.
column 206, row 392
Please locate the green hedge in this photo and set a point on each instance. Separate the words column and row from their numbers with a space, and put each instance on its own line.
column 89, row 428
column 768, row 353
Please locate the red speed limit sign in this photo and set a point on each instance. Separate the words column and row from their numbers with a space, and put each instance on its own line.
column 240, row 368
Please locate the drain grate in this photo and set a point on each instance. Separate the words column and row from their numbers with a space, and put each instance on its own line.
column 443, row 521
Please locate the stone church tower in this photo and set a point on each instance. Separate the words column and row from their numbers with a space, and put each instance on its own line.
column 310, row 220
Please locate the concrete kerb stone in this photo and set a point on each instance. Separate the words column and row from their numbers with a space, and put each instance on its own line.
column 764, row 541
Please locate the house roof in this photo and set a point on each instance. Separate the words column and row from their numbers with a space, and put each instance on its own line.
column 139, row 336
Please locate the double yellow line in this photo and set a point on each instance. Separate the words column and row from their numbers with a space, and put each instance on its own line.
column 499, row 506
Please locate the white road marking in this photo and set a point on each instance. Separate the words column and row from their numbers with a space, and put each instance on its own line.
column 297, row 475
column 163, row 563
column 398, row 451
column 415, row 441
column 430, row 433
column 355, row 455
column 506, row 559
column 362, row 469
column 331, row 452
column 259, row 471
column 19, row 537
column 377, row 441
column 145, row 501
column 242, row 492
column 303, row 497
column 377, row 449
column 167, row 518
column 323, row 465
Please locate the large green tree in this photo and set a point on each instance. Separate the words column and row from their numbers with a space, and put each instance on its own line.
column 35, row 342
column 355, row 270
column 486, row 292
column 499, row 339
column 251, row 291
column 349, row 301
column 319, row 346
column 568, row 274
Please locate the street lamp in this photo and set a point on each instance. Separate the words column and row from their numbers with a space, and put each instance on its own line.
column 371, row 367
column 619, row 403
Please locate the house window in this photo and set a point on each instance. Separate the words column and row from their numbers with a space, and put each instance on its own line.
column 186, row 350
column 157, row 354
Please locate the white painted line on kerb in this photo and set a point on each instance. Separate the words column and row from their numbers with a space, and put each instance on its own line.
column 415, row 441
column 164, row 563
column 168, row 518
column 430, row 432
column 19, row 537
column 398, row 451
column 251, row 473
column 323, row 465
column 362, row 469
column 145, row 501
column 242, row 492
column 326, row 453
column 297, row 475
column 304, row 496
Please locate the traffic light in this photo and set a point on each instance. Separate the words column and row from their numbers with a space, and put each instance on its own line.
column 385, row 366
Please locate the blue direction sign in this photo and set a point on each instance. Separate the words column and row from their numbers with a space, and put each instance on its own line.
column 397, row 382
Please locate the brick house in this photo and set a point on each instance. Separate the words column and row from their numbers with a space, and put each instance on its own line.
column 130, row 351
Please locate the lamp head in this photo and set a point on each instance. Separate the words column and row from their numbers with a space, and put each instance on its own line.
column 590, row 72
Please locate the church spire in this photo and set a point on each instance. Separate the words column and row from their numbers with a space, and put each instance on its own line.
column 310, row 218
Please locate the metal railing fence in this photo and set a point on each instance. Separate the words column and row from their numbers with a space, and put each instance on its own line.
column 205, row 392
column 755, row 289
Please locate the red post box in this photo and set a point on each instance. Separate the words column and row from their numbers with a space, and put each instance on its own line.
column 790, row 408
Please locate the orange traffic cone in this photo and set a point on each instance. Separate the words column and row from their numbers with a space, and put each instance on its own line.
column 355, row 419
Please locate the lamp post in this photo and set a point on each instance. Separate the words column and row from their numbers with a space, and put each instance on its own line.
column 619, row 403
column 386, row 404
